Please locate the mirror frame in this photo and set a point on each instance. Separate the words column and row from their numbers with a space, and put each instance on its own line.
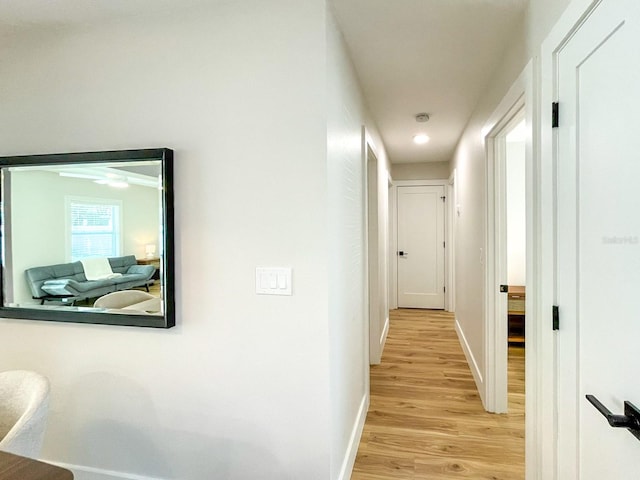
column 167, row 319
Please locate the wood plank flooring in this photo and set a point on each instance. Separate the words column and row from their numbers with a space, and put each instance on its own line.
column 426, row 419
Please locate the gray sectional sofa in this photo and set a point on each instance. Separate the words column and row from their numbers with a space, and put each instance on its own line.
column 67, row 280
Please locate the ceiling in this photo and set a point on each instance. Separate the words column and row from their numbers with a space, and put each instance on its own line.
column 432, row 56
column 411, row 56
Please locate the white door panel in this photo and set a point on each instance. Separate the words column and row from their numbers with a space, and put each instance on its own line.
column 598, row 269
column 421, row 241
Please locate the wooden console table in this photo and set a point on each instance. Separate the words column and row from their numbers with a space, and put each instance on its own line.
column 516, row 301
column 15, row 467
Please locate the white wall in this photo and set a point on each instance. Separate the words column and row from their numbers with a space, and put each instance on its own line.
column 469, row 162
column 348, row 319
column 541, row 16
column 516, row 213
column 39, row 235
column 347, row 310
column 420, row 171
column 239, row 389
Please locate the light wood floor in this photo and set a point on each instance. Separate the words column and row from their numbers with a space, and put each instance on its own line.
column 155, row 288
column 426, row 420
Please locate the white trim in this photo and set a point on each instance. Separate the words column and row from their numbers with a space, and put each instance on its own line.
column 420, row 183
column 100, row 473
column 545, row 380
column 385, row 332
column 497, row 272
column 473, row 365
column 533, row 413
column 495, row 303
column 365, row 270
column 393, row 246
column 450, row 251
column 373, row 348
column 519, row 96
column 354, row 440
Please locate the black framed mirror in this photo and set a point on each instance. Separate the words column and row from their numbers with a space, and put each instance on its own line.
column 88, row 237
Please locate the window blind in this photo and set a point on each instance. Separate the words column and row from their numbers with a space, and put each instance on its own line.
column 94, row 230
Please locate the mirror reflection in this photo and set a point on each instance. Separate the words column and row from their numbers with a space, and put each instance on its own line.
column 84, row 237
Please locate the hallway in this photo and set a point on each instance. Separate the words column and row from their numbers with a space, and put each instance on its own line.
column 426, row 420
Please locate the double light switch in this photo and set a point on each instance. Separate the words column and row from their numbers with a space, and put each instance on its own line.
column 273, row 281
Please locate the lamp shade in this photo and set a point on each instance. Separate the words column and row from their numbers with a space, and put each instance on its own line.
column 150, row 250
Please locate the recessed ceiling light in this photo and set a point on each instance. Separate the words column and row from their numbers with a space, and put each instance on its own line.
column 420, row 139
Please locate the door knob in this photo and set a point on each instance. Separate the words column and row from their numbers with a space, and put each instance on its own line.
column 403, row 253
column 630, row 420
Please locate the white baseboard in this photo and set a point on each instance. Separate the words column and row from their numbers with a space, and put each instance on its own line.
column 383, row 337
column 473, row 365
column 90, row 473
column 354, row 440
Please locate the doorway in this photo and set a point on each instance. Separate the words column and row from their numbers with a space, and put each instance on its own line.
column 516, row 105
column 506, row 253
column 516, row 247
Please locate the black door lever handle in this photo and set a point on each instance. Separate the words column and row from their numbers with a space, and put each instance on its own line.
column 630, row 420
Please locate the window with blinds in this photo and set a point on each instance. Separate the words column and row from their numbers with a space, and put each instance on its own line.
column 94, row 228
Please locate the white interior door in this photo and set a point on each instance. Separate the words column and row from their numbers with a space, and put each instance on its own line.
column 421, row 247
column 598, row 247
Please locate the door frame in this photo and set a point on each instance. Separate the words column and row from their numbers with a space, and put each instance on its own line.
column 546, row 415
column 519, row 97
column 450, row 252
column 496, row 273
column 375, row 240
column 393, row 247
column 393, row 244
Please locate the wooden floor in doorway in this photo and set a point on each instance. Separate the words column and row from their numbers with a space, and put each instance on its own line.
column 426, row 419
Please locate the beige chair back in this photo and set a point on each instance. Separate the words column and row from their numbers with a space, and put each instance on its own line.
column 122, row 299
column 24, row 403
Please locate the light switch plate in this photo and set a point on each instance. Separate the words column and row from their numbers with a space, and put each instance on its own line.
column 273, row 281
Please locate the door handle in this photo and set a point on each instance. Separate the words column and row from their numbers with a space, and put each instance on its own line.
column 630, row 420
column 403, row 253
